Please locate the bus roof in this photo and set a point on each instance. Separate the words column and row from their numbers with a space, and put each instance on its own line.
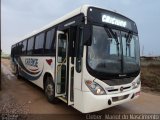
column 83, row 9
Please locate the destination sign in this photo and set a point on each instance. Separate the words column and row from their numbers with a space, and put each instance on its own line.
column 113, row 20
column 105, row 17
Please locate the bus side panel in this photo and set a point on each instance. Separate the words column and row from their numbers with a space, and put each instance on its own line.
column 79, row 87
column 78, row 100
column 34, row 68
column 86, row 75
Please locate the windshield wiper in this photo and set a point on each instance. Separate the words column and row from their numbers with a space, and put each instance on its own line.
column 128, row 40
column 128, row 37
column 111, row 34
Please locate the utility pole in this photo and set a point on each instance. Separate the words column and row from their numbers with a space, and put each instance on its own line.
column 0, row 73
column 0, row 49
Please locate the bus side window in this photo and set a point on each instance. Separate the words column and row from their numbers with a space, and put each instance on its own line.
column 18, row 49
column 24, row 46
column 30, row 46
column 39, row 43
column 62, row 45
column 13, row 52
column 50, row 47
column 79, row 50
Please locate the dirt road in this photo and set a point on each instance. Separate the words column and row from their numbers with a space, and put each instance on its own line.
column 19, row 96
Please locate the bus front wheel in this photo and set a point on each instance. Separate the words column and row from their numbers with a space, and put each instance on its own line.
column 50, row 90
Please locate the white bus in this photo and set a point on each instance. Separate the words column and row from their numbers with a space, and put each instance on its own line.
column 88, row 58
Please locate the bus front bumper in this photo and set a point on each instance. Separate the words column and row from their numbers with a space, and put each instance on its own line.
column 94, row 103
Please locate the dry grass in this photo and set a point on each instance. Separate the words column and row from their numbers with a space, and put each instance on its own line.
column 150, row 74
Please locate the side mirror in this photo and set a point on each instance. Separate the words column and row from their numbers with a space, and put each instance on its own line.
column 87, row 32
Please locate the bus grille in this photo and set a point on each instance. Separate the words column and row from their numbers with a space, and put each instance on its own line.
column 114, row 90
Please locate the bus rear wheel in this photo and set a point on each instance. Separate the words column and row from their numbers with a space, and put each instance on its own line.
column 50, row 90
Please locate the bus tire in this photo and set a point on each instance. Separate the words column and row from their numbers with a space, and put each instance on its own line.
column 17, row 73
column 49, row 90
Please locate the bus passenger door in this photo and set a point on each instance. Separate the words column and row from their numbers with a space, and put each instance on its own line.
column 70, row 83
column 71, row 65
column 61, row 64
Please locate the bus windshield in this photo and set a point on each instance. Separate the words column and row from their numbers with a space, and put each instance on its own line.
column 113, row 51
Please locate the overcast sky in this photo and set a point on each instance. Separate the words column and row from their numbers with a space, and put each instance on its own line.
column 20, row 17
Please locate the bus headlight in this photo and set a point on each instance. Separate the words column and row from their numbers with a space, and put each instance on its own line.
column 136, row 84
column 95, row 88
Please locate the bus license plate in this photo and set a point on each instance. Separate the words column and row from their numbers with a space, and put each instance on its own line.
column 120, row 97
